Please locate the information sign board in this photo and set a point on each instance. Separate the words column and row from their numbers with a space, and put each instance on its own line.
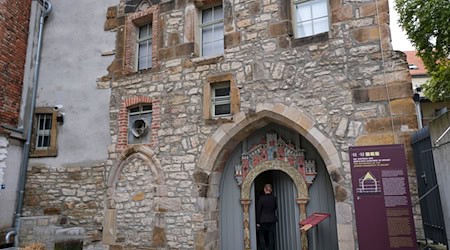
column 382, row 199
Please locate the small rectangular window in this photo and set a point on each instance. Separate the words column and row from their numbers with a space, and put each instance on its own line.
column 44, row 136
column 311, row 17
column 212, row 31
column 139, row 124
column 220, row 99
column 144, row 47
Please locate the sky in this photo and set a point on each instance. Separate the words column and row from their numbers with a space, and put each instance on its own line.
column 399, row 40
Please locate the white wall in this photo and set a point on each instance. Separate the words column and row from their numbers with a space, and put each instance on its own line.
column 10, row 155
column 71, row 61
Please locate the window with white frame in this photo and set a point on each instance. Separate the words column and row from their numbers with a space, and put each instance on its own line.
column 212, row 31
column 43, row 131
column 144, row 59
column 220, row 99
column 311, row 17
column 139, row 123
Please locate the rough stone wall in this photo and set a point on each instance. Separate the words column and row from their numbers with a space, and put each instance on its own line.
column 13, row 45
column 75, row 195
column 356, row 91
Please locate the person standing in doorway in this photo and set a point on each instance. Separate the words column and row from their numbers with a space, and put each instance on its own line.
column 265, row 223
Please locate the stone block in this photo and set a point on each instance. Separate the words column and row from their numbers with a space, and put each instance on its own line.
column 159, row 237
column 344, row 213
column 189, row 26
column 342, row 14
column 340, row 193
column 375, row 139
column 110, row 227
column 199, row 241
column 166, row 6
column 166, row 54
column 396, row 91
column 232, row 39
column 367, row 34
column 163, row 204
column 254, row 8
column 173, row 39
column 403, row 106
column 370, row 9
column 334, row 4
column 280, row 28
column 185, row 49
column 138, row 196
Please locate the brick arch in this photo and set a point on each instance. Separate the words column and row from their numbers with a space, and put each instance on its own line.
column 122, row 136
column 142, row 152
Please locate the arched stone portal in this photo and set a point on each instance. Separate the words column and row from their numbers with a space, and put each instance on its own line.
column 221, row 144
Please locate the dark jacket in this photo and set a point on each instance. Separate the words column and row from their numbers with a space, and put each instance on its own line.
column 266, row 207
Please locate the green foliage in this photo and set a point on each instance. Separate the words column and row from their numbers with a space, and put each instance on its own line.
column 427, row 25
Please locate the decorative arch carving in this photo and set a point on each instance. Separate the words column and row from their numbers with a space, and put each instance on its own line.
column 299, row 182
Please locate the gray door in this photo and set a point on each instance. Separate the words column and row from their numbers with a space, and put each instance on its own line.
column 231, row 227
column 287, row 229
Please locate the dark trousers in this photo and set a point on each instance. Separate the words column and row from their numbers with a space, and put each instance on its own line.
column 267, row 236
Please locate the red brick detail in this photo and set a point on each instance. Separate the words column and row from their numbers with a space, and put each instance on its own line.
column 13, row 46
column 132, row 23
column 122, row 137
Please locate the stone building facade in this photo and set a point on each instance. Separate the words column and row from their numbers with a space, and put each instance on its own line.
column 336, row 89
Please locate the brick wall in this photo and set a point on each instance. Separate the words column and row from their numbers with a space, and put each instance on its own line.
column 13, row 45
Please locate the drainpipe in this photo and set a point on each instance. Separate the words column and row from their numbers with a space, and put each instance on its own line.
column 46, row 9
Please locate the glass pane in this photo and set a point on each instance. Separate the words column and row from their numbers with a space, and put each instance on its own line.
column 218, row 31
column 321, row 25
column 303, row 12
column 207, row 15
column 142, row 63
column 222, row 92
column 143, row 31
column 40, row 141
column 319, row 9
column 207, row 34
column 146, row 107
column 46, row 142
column 218, row 12
column 143, row 49
column 207, row 49
column 133, row 110
column 48, row 122
column 218, row 47
column 305, row 29
column 222, row 109
column 41, row 121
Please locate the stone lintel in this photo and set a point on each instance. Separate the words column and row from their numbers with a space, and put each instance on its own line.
column 342, row 14
column 185, row 49
column 366, row 34
column 281, row 28
column 375, row 139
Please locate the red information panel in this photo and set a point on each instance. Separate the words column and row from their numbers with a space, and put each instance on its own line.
column 382, row 200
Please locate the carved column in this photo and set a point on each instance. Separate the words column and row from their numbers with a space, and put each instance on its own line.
column 245, row 207
column 303, row 235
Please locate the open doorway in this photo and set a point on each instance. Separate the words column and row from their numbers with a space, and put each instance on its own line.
column 287, row 232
